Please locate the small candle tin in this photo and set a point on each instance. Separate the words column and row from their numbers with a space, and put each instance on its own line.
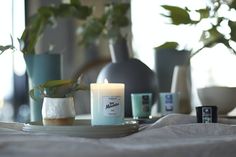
column 206, row 114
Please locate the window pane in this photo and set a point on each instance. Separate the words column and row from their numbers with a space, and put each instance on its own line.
column 12, row 24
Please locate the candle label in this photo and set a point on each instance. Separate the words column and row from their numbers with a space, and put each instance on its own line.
column 169, row 103
column 111, row 106
column 206, row 115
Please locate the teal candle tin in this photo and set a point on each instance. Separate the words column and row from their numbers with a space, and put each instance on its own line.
column 141, row 105
column 107, row 103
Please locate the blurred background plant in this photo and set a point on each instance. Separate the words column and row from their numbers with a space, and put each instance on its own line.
column 216, row 21
column 47, row 16
column 110, row 25
column 4, row 48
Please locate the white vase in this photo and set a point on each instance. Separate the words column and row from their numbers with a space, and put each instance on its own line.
column 181, row 84
column 58, row 111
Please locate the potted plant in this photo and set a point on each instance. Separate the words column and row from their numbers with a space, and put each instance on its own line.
column 46, row 66
column 58, row 102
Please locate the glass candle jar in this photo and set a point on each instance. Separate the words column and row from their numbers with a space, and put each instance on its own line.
column 107, row 103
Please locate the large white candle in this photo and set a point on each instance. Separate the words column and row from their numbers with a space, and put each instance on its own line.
column 107, row 103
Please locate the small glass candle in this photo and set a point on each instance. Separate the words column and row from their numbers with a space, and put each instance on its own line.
column 107, row 103
column 141, row 105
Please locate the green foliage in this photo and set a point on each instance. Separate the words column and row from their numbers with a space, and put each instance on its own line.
column 4, row 48
column 116, row 19
column 7, row 47
column 57, row 89
column 211, row 36
column 47, row 15
column 91, row 30
column 232, row 25
column 108, row 25
column 204, row 13
column 178, row 15
column 169, row 45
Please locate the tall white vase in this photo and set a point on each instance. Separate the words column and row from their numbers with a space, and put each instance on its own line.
column 181, row 84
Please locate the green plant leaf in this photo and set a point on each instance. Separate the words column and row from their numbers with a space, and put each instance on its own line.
column 178, row 15
column 232, row 26
column 226, row 43
column 204, row 13
column 57, row 89
column 118, row 15
column 4, row 48
column 48, row 15
column 91, row 30
column 168, row 45
column 211, row 37
column 75, row 2
column 232, row 5
column 56, row 83
column 35, row 90
column 108, row 25
column 46, row 11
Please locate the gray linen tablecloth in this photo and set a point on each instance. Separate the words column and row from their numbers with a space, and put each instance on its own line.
column 171, row 136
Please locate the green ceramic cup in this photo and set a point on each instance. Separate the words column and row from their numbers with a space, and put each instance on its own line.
column 141, row 105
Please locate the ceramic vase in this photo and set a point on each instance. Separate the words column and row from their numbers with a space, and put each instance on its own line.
column 181, row 85
column 41, row 68
column 137, row 77
column 165, row 61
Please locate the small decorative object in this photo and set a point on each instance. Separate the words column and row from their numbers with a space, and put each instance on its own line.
column 137, row 77
column 58, row 111
column 107, row 103
column 141, row 105
column 168, row 103
column 222, row 97
column 58, row 102
column 206, row 114
column 181, row 84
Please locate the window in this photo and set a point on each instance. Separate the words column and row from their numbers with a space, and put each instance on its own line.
column 12, row 66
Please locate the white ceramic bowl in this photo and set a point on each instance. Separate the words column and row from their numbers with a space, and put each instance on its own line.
column 222, row 97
